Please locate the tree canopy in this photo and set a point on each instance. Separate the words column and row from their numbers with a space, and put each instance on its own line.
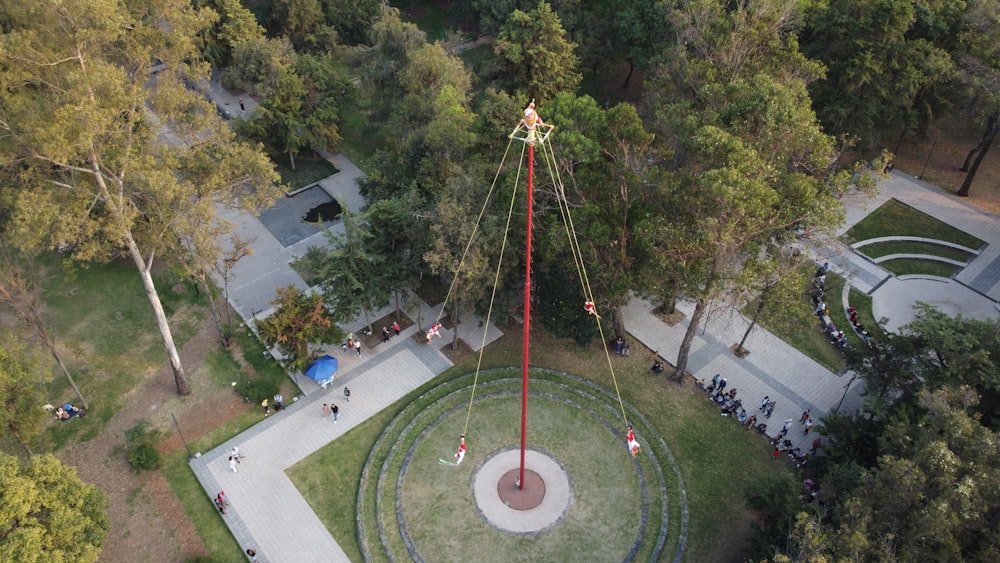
column 47, row 513
column 106, row 154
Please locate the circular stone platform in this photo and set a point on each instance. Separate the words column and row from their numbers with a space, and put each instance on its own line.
column 548, row 510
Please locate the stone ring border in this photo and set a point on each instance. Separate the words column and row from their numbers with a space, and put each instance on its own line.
column 408, row 457
column 460, row 383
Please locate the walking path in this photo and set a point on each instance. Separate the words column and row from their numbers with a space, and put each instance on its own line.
column 268, row 514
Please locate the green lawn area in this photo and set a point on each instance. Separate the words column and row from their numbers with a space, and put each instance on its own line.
column 863, row 303
column 880, row 249
column 807, row 336
column 916, row 266
column 895, row 218
column 714, row 476
column 309, row 168
column 107, row 363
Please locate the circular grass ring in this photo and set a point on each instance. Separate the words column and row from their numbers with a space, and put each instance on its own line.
column 417, row 412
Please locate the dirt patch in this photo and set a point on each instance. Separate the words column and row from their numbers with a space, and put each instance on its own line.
column 370, row 341
column 463, row 351
column 938, row 155
column 148, row 522
column 671, row 319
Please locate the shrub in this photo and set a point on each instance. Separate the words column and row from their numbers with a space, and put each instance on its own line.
column 140, row 445
column 257, row 389
column 144, row 456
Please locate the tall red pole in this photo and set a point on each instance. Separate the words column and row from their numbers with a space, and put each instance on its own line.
column 527, row 309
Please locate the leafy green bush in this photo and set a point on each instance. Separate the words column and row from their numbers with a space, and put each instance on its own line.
column 257, row 389
column 144, row 456
column 140, row 445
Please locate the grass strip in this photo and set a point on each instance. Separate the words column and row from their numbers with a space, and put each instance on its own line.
column 895, row 218
column 916, row 266
column 880, row 249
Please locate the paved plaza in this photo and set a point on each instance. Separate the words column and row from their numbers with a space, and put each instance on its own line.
column 268, row 514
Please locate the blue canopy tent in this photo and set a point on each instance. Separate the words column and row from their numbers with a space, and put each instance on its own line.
column 323, row 370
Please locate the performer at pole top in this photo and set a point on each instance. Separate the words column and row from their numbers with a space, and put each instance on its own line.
column 531, row 117
column 460, row 454
column 633, row 445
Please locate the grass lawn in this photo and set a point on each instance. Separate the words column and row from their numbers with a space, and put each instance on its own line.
column 107, row 364
column 717, row 458
column 916, row 266
column 309, row 168
column 806, row 334
column 895, row 218
column 886, row 248
column 863, row 303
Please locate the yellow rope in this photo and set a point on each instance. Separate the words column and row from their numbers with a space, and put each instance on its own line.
column 580, row 265
column 496, row 282
column 472, row 236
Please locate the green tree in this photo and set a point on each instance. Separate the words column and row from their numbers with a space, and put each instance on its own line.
column 604, row 159
column 257, row 65
column 21, row 395
column 397, row 243
column 21, row 295
column 392, row 42
column 464, row 245
column 298, row 320
column 536, row 55
column 723, row 98
column 83, row 124
column 978, row 60
column 933, row 496
column 353, row 280
column 48, row 513
column 233, row 26
column 886, row 65
column 775, row 286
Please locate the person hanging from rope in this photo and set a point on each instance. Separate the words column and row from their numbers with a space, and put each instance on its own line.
column 460, row 454
column 589, row 307
column 633, row 445
column 435, row 330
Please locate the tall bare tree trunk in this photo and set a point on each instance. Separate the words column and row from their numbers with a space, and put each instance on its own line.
column 161, row 316
column 55, row 355
column 685, row 349
column 991, row 133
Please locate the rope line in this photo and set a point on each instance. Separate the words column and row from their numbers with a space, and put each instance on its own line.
column 574, row 243
column 493, row 294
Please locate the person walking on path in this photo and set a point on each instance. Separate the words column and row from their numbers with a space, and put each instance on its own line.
column 252, row 554
column 335, row 410
column 395, row 327
column 279, row 402
column 385, row 334
column 805, row 417
column 809, row 425
column 763, row 402
column 357, row 346
column 232, row 464
column 236, row 454
column 784, row 427
column 243, row 107
column 267, row 409
column 326, row 411
column 347, row 394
